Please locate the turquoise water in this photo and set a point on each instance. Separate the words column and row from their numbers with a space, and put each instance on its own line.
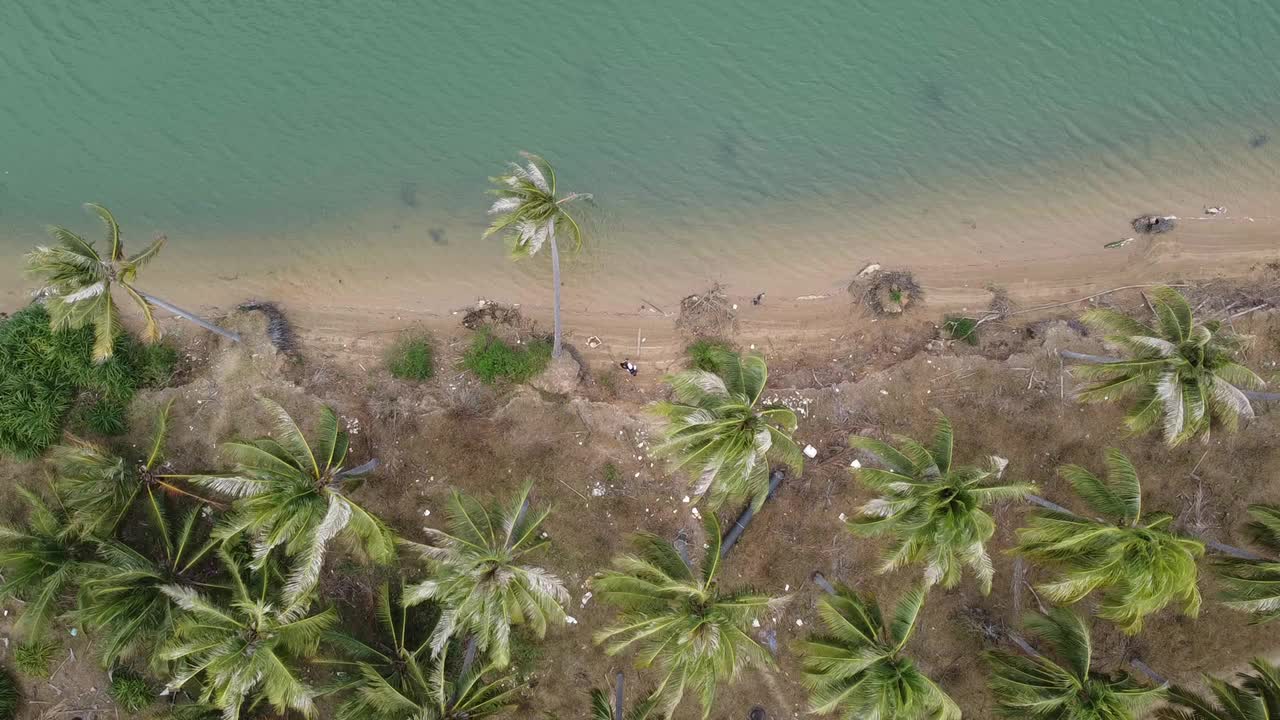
column 236, row 117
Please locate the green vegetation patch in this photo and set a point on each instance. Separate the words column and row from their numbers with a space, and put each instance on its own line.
column 8, row 696
column 494, row 360
column 960, row 328
column 42, row 373
column 35, row 658
column 130, row 692
column 411, row 358
column 702, row 353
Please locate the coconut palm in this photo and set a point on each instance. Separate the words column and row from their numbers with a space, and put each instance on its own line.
column 718, row 430
column 1253, row 584
column 41, row 563
column 1066, row 686
column 477, row 575
column 1256, row 697
column 1182, row 373
column 294, row 494
column 1137, row 563
column 529, row 210
column 679, row 620
column 859, row 667
column 78, row 283
column 99, row 487
column 934, row 509
column 602, row 708
column 246, row 648
column 124, row 602
column 395, row 677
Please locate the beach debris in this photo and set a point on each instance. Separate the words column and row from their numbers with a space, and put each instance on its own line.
column 1118, row 243
column 1154, row 224
column 856, row 464
column 571, row 619
column 708, row 314
column 593, row 342
column 488, row 312
column 869, row 270
column 758, row 299
column 998, row 464
column 1258, row 140
column 810, row 452
column 629, row 367
column 1215, row 210
column 278, row 328
column 887, row 292
column 586, row 598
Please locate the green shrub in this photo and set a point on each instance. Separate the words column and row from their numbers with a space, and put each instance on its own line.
column 956, row 327
column 154, row 364
column 130, row 692
column 701, row 353
column 493, row 360
column 43, row 372
column 610, row 474
column 8, row 696
column 411, row 358
column 35, row 658
column 102, row 417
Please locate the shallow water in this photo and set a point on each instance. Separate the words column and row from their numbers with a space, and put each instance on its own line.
column 356, row 137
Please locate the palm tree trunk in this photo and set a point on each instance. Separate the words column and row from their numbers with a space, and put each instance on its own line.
column 164, row 304
column 617, row 698
column 821, row 581
column 1036, row 499
column 555, row 281
column 740, row 525
column 1145, row 669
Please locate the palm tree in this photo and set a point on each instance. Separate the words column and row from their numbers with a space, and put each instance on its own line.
column 78, row 283
column 478, row 578
column 1137, row 562
column 1257, row 697
column 933, row 509
column 529, row 210
column 248, row 647
column 679, row 619
column 1181, row 372
column 41, row 563
column 124, row 600
column 1067, row 688
column 292, row 493
column 1253, row 584
column 602, row 709
column 99, row 487
column 859, row 668
column 396, row 678
column 719, row 431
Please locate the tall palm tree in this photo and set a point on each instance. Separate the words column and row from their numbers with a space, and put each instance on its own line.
column 1068, row 687
column 246, row 648
column 859, row 667
column 604, row 708
column 1253, row 585
column 933, row 508
column 396, row 678
column 1257, row 697
column 41, row 563
column 680, row 620
column 292, row 493
column 718, row 430
column 124, row 601
column 1136, row 561
column 1182, row 373
column 78, row 283
column 529, row 209
column 477, row 575
column 99, row 487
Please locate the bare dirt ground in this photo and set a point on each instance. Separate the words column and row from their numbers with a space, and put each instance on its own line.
column 589, row 456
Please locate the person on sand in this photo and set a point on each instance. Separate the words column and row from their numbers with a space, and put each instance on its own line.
column 629, row 367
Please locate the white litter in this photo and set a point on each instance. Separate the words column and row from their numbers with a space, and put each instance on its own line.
column 855, row 464
column 810, row 451
column 571, row 619
column 799, row 622
column 585, row 599
column 685, row 499
column 843, row 517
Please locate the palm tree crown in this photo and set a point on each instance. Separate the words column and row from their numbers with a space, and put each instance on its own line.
column 1065, row 688
column 529, row 210
column 396, row 677
column 292, row 493
column 1253, row 585
column 858, row 668
column 1137, row 562
column 604, row 708
column 244, row 648
column 478, row 578
column 933, row 508
column 41, row 563
column 1257, row 697
column 78, row 282
column 718, row 430
column 679, row 619
column 1180, row 370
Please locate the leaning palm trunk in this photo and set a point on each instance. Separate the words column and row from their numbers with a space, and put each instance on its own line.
column 555, row 281
column 189, row 316
column 740, row 525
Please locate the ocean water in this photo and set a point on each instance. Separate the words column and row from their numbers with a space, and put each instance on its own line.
column 283, row 137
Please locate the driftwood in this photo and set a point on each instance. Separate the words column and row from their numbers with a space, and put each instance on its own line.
column 278, row 328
